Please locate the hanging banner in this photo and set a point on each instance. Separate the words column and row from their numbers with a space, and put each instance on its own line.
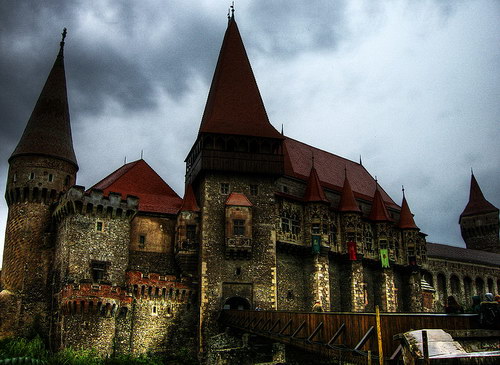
column 351, row 249
column 384, row 257
column 316, row 243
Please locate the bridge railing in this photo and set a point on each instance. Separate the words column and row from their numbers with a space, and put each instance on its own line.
column 330, row 333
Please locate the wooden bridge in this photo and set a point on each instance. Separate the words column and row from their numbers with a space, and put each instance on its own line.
column 339, row 334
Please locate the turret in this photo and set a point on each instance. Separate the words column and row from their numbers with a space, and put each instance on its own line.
column 479, row 222
column 188, row 233
column 41, row 168
column 351, row 220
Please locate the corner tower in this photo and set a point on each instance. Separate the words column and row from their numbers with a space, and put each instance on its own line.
column 479, row 223
column 42, row 166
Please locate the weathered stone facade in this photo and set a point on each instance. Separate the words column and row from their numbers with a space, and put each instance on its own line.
column 266, row 223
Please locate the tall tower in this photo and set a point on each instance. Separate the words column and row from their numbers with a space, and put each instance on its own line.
column 232, row 167
column 479, row 221
column 42, row 166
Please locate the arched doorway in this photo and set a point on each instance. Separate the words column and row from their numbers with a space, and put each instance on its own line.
column 238, row 303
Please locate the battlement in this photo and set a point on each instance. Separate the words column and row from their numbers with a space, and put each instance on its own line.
column 158, row 287
column 96, row 203
column 31, row 194
column 105, row 300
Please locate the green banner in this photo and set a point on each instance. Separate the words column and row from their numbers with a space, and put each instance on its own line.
column 316, row 243
column 384, row 257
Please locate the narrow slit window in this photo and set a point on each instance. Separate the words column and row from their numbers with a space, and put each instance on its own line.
column 142, row 241
column 99, row 226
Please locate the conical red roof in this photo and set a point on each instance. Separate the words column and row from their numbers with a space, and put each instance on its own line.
column 347, row 201
column 379, row 211
column 189, row 203
column 406, row 220
column 234, row 104
column 477, row 203
column 314, row 191
column 48, row 131
column 139, row 179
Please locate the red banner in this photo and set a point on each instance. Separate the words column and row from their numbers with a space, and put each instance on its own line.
column 351, row 248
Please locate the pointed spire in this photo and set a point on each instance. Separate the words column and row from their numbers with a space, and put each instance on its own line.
column 234, row 104
column 189, row 203
column 477, row 203
column 347, row 201
column 406, row 220
column 314, row 191
column 379, row 211
column 48, row 131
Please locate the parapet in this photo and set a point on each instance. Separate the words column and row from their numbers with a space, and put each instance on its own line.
column 95, row 203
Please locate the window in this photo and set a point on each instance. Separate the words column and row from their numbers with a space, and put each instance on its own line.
column 66, row 180
column 224, row 188
column 237, row 272
column 295, row 225
column 142, row 241
column 99, row 226
column 32, row 175
column 191, row 233
column 284, row 188
column 285, row 224
column 254, row 189
column 51, row 177
column 315, row 229
column 14, row 178
column 98, row 270
column 238, row 227
column 153, row 311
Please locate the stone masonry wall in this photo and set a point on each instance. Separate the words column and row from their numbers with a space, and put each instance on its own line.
column 293, row 282
column 258, row 271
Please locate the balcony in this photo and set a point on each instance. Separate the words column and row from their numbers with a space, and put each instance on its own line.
column 238, row 247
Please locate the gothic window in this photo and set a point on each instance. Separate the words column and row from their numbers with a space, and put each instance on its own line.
column 254, row 189
column 99, row 269
column 382, row 243
column 295, row 225
column 224, row 188
column 238, row 227
column 325, row 228
column 351, row 237
column 333, row 234
column 315, row 228
column 142, row 241
column 369, row 240
column 191, row 233
column 99, row 226
column 285, row 224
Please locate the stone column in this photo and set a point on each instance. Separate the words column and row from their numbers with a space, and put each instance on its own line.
column 415, row 289
column 357, row 293
column 321, row 281
column 388, row 292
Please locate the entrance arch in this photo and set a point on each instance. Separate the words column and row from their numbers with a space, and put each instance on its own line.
column 238, row 303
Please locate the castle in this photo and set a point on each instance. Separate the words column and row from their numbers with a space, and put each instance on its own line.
column 266, row 222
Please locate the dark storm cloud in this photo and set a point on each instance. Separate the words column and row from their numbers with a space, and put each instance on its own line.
column 320, row 25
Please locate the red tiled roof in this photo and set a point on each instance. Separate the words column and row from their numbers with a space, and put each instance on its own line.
column 189, row 203
column 139, row 179
column 314, row 191
column 48, row 131
column 330, row 169
column 447, row 252
column 406, row 220
column 347, row 201
column 234, row 104
column 238, row 199
column 379, row 211
column 477, row 203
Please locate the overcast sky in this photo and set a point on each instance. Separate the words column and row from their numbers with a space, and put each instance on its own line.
column 411, row 86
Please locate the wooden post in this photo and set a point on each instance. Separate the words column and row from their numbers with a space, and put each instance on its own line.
column 425, row 346
column 379, row 338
